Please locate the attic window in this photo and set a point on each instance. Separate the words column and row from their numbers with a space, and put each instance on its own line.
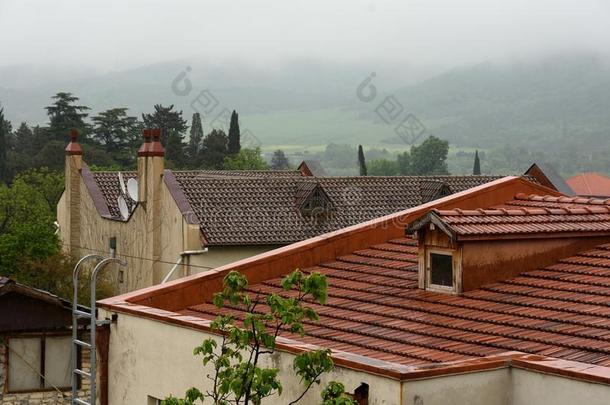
column 440, row 270
column 433, row 189
column 312, row 201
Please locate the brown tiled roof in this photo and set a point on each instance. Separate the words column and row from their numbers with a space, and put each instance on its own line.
column 261, row 207
column 531, row 215
column 262, row 210
column 375, row 309
column 108, row 184
column 592, row 184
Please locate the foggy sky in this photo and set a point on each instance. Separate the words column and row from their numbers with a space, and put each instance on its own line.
column 121, row 34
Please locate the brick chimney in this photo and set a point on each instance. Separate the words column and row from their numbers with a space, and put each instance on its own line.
column 73, row 167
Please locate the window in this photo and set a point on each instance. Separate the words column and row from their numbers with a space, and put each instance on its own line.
column 153, row 401
column 39, row 363
column 441, row 269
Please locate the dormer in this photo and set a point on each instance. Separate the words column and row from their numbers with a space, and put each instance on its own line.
column 430, row 190
column 462, row 250
column 312, row 201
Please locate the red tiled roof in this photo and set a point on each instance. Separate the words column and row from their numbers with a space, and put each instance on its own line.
column 590, row 184
column 377, row 319
column 531, row 215
column 375, row 309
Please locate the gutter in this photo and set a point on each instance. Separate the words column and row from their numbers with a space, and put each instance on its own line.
column 180, row 260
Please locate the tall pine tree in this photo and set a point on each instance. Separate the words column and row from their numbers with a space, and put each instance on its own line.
column 64, row 115
column 196, row 136
column 3, row 149
column 234, row 141
column 172, row 127
column 166, row 119
column 476, row 170
column 361, row 161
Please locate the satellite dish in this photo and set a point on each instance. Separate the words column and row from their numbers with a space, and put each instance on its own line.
column 122, row 183
column 132, row 189
column 123, row 207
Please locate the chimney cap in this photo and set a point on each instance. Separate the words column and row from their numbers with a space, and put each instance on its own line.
column 145, row 147
column 74, row 147
column 156, row 149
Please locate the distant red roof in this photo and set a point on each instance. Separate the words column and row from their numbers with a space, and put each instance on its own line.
column 590, row 184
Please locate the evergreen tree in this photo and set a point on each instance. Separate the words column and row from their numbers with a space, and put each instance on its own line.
column 167, row 121
column 115, row 130
column 476, row 170
column 234, row 135
column 214, row 149
column 24, row 139
column 430, row 157
column 403, row 163
column 279, row 161
column 64, row 115
column 174, row 150
column 361, row 161
column 3, row 149
column 196, row 137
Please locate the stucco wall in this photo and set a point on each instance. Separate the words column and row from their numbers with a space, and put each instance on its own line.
column 529, row 387
column 133, row 239
column 479, row 388
column 149, row 358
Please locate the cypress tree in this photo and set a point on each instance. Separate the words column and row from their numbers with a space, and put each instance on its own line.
column 3, row 147
column 234, row 144
column 196, row 136
column 476, row 170
column 361, row 161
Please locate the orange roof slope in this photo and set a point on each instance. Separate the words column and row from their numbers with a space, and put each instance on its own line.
column 590, row 184
column 376, row 310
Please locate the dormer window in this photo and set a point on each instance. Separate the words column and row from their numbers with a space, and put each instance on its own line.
column 440, row 269
column 430, row 190
column 312, row 201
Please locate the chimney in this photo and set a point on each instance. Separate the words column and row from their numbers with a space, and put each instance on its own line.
column 151, row 164
column 142, row 164
column 73, row 166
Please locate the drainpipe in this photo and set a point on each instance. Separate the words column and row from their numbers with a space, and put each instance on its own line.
column 181, row 259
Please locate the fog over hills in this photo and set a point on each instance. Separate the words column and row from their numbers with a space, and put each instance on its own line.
column 538, row 104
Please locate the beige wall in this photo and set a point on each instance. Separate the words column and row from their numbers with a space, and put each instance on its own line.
column 133, row 239
column 543, row 389
column 482, row 388
column 150, row 358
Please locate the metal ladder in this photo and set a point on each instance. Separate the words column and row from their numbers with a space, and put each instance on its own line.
column 93, row 323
